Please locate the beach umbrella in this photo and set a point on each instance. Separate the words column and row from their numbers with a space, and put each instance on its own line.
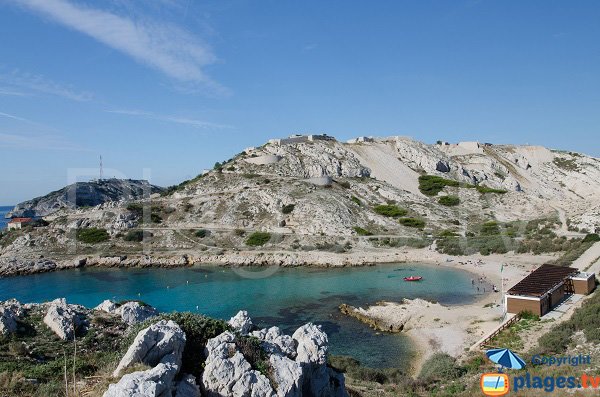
column 505, row 358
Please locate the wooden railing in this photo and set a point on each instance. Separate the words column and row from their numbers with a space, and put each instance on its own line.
column 507, row 324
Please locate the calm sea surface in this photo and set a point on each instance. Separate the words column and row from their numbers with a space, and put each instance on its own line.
column 288, row 298
column 3, row 212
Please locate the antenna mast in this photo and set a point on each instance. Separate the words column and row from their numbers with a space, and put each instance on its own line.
column 101, row 169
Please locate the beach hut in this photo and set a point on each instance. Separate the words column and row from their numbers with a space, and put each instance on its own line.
column 546, row 287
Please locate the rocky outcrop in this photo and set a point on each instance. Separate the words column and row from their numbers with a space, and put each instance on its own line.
column 10, row 311
column 107, row 306
column 84, row 194
column 241, row 322
column 64, row 319
column 159, row 346
column 160, row 342
column 298, row 366
column 135, row 312
column 319, row 380
column 154, row 382
column 14, row 266
column 228, row 373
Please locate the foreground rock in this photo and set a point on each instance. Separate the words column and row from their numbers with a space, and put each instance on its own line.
column 297, row 366
column 163, row 341
column 159, row 346
column 241, row 322
column 64, row 319
column 132, row 312
column 10, row 311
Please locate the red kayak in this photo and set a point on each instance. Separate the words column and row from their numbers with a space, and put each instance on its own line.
column 413, row 278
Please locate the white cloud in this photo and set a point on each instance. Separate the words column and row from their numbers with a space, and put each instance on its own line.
column 12, row 116
column 172, row 119
column 10, row 92
column 39, row 83
column 165, row 47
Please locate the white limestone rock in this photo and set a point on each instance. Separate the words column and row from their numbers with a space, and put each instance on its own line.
column 160, row 342
column 318, row 379
column 241, row 322
column 134, row 312
column 228, row 373
column 10, row 311
column 107, row 306
column 288, row 376
column 275, row 342
column 63, row 319
column 154, row 382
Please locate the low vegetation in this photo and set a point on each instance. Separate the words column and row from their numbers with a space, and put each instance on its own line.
column 288, row 208
column 431, row 185
column 362, row 232
column 449, row 201
column 412, row 222
column 92, row 235
column 356, row 200
column 201, row 233
column 390, row 210
column 137, row 235
column 257, row 239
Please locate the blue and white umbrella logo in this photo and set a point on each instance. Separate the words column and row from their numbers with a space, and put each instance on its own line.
column 505, row 358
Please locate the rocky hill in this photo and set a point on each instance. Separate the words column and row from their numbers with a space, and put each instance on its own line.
column 290, row 199
column 84, row 194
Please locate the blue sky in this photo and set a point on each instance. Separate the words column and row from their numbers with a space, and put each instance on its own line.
column 174, row 85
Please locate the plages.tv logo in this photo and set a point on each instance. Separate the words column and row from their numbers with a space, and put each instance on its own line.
column 497, row 384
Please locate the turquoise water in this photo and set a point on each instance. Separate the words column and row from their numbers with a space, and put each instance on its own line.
column 3, row 212
column 288, row 298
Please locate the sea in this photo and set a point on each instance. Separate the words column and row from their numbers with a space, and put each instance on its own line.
column 287, row 298
column 3, row 212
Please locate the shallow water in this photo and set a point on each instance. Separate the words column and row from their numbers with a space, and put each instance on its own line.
column 288, row 298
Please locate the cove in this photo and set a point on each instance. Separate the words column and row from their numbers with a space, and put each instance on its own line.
column 288, row 298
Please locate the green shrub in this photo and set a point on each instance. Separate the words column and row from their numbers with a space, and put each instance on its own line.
column 440, row 366
column 137, row 235
column 258, row 238
column 431, row 185
column 591, row 238
column 449, row 201
column 412, row 222
column 201, row 233
column 288, row 208
column 485, row 189
column 345, row 184
column 356, row 200
column 362, row 232
column 198, row 330
column 489, row 229
column 239, row 232
column 92, row 235
column 390, row 210
column 353, row 369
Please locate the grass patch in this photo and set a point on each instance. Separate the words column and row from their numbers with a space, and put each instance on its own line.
column 356, row 200
column 440, row 367
column 449, row 201
column 412, row 222
column 390, row 210
column 257, row 239
column 485, row 189
column 352, row 368
column 431, row 185
column 362, row 232
column 566, row 164
column 92, row 235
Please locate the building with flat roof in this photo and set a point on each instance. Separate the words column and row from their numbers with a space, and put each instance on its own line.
column 547, row 286
column 18, row 223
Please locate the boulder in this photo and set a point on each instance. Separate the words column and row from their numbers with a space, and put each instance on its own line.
column 8, row 320
column 154, row 382
column 160, row 342
column 228, row 373
column 275, row 342
column 135, row 312
column 241, row 322
column 287, row 375
column 107, row 306
column 318, row 379
column 63, row 319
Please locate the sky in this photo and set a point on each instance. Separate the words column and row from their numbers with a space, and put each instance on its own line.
column 163, row 89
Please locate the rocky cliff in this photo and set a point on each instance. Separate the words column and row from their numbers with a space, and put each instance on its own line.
column 84, row 194
column 325, row 196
